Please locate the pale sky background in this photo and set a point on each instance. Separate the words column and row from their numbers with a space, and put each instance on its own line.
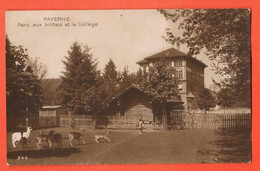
column 126, row 36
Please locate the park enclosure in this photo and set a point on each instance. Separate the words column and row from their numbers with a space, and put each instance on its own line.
column 128, row 86
column 132, row 104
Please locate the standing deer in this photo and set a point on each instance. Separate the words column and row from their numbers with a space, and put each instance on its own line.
column 17, row 136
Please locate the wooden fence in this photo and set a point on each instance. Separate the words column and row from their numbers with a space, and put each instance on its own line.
column 36, row 122
column 19, row 123
column 185, row 121
column 123, row 122
column 178, row 120
column 79, row 120
column 48, row 121
column 210, row 121
column 88, row 121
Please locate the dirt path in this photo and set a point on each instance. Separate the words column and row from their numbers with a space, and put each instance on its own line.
column 160, row 147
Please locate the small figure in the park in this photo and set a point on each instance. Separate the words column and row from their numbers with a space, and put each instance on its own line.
column 107, row 121
column 73, row 124
column 141, row 125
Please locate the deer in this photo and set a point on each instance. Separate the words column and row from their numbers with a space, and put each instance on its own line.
column 104, row 137
column 18, row 136
column 77, row 136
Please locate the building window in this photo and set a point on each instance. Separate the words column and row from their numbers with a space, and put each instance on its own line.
column 172, row 64
column 178, row 63
column 179, row 74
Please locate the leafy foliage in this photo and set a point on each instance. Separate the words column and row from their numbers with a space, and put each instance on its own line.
column 161, row 84
column 50, row 88
column 110, row 72
column 225, row 36
column 39, row 69
column 22, row 86
column 225, row 97
column 95, row 99
column 140, row 75
column 83, row 90
column 206, row 100
column 126, row 79
column 110, row 79
column 80, row 74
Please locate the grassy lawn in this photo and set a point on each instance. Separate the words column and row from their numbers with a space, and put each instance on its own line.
column 131, row 147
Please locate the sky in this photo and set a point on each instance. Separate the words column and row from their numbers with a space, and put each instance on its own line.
column 125, row 36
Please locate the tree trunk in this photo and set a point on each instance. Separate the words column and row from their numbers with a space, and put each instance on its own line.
column 95, row 121
column 26, row 118
column 164, row 117
column 70, row 117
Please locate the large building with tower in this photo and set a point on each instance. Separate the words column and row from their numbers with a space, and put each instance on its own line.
column 189, row 70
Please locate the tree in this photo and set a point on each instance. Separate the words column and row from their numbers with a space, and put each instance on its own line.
column 224, row 34
column 32, row 91
column 95, row 99
column 126, row 80
column 50, row 88
column 110, row 72
column 110, row 79
column 40, row 70
column 225, row 97
column 162, row 86
column 140, row 75
column 79, row 76
column 206, row 100
column 22, row 86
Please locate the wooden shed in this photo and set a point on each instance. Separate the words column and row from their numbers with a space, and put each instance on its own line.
column 132, row 105
column 50, row 115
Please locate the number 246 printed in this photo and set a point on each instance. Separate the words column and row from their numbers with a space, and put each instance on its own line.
column 22, row 158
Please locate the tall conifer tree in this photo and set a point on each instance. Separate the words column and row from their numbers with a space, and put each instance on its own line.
column 79, row 76
column 111, row 79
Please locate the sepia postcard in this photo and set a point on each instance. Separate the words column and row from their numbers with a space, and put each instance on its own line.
column 157, row 86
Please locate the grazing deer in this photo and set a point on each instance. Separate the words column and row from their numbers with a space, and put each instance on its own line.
column 56, row 138
column 43, row 137
column 18, row 136
column 102, row 137
column 77, row 136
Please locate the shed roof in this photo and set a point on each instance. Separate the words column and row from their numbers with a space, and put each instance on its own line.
column 133, row 86
column 130, row 87
column 51, row 107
